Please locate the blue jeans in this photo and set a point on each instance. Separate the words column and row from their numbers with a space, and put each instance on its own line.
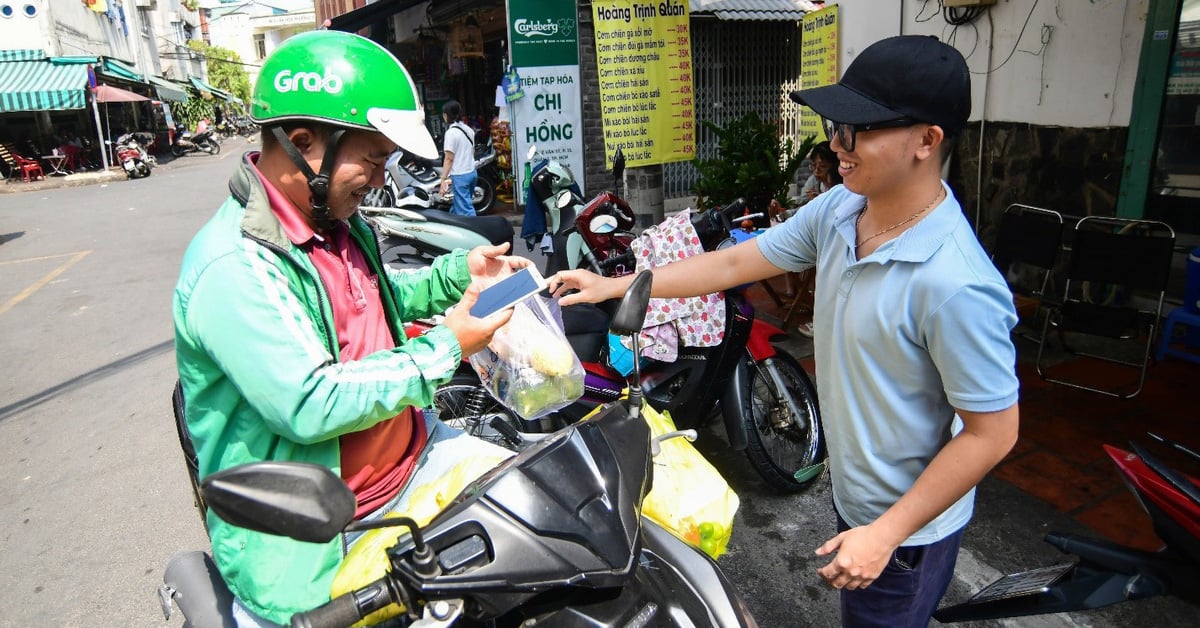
column 464, row 189
column 909, row 589
column 446, row 447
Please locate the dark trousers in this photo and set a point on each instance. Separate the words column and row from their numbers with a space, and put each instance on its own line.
column 909, row 589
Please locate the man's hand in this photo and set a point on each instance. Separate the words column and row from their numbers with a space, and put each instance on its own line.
column 592, row 287
column 445, row 187
column 488, row 263
column 861, row 556
column 473, row 333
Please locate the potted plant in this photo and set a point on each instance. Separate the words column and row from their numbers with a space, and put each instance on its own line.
column 753, row 163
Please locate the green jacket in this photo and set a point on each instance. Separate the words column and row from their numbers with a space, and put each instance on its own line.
column 258, row 359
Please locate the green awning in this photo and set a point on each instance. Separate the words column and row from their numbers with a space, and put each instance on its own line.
column 116, row 69
column 167, row 90
column 219, row 93
column 42, row 85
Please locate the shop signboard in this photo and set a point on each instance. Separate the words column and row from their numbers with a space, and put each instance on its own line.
column 644, row 58
column 818, row 61
column 544, row 38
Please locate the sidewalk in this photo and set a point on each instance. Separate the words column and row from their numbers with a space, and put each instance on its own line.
column 17, row 186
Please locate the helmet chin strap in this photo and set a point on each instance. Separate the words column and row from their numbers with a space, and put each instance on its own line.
column 318, row 183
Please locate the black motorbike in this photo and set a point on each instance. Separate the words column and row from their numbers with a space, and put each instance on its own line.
column 202, row 142
column 525, row 544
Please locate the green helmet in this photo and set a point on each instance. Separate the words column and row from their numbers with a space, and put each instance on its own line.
column 343, row 80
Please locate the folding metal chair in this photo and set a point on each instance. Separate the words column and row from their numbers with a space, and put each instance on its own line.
column 1026, row 252
column 1116, row 281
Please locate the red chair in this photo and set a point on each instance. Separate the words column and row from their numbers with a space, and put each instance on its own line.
column 30, row 168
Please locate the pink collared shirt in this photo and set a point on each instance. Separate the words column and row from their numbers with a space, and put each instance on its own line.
column 376, row 461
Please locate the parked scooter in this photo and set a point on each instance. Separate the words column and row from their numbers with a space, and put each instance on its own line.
column 411, row 182
column 544, row 220
column 767, row 402
column 1107, row 573
column 525, row 544
column 432, row 232
column 132, row 155
column 200, row 142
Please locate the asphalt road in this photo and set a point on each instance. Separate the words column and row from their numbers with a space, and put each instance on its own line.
column 93, row 494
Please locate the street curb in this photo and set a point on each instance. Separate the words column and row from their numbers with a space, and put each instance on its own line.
column 11, row 186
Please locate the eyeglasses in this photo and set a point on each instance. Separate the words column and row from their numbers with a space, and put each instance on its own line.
column 846, row 132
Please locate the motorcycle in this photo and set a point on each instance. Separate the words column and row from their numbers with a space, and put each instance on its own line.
column 523, row 544
column 431, row 232
column 767, row 402
column 132, row 155
column 200, row 142
column 1107, row 573
column 414, row 183
column 544, row 219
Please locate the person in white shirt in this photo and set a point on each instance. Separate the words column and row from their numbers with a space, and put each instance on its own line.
column 459, row 165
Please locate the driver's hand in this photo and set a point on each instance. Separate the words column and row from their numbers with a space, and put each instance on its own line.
column 473, row 333
column 488, row 263
column 445, row 187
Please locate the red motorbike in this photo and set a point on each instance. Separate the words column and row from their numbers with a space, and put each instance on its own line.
column 1107, row 573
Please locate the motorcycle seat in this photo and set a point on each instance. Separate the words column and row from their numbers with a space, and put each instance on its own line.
column 496, row 229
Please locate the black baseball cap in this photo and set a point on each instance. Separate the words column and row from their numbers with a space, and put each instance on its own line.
column 909, row 76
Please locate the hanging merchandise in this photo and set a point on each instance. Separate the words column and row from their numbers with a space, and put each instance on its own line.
column 502, row 143
column 466, row 41
column 511, row 83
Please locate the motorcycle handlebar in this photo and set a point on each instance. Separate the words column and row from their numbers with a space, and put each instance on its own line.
column 624, row 258
column 348, row 608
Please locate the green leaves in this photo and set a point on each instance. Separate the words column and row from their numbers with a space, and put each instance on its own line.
column 753, row 163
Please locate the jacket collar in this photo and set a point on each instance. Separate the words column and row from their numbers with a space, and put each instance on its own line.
column 258, row 221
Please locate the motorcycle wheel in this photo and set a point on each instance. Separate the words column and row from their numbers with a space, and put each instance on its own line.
column 214, row 147
column 465, row 404
column 178, row 150
column 777, row 445
column 484, row 198
column 144, row 170
column 381, row 197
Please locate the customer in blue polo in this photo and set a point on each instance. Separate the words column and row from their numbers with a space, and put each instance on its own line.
column 915, row 366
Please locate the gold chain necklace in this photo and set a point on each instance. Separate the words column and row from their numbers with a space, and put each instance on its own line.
column 911, row 218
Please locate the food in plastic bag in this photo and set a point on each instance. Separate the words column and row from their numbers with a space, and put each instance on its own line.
column 367, row 561
column 529, row 366
column 689, row 496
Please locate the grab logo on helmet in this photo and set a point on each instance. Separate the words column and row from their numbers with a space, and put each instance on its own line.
column 286, row 82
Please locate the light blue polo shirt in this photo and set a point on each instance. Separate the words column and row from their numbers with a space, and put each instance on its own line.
column 902, row 338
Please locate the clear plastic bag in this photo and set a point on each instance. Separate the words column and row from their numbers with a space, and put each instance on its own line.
column 529, row 366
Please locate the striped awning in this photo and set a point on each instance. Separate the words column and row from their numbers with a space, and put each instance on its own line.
column 762, row 10
column 30, row 83
column 208, row 91
column 167, row 90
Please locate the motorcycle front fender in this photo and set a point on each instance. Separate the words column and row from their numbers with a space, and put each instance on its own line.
column 734, row 402
column 575, row 250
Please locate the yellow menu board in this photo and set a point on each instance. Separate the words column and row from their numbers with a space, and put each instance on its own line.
column 644, row 56
column 818, row 60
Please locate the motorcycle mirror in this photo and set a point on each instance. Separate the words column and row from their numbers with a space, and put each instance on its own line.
column 603, row 224
column 564, row 200
column 532, row 153
column 618, row 165
column 303, row 501
column 631, row 313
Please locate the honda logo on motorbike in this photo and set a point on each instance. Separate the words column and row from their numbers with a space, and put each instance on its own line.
column 285, row 82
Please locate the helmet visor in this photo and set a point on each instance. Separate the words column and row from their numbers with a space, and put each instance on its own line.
column 406, row 129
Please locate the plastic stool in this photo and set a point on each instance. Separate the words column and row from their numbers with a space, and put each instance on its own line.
column 1182, row 316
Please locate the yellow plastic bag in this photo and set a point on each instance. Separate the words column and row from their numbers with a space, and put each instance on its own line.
column 367, row 561
column 689, row 496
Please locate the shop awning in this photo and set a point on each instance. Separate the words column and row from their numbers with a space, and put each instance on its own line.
column 119, row 70
column 205, row 88
column 108, row 93
column 167, row 90
column 764, row 10
column 358, row 19
column 28, row 83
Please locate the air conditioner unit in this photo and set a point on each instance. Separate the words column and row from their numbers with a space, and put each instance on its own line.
column 146, row 4
column 173, row 17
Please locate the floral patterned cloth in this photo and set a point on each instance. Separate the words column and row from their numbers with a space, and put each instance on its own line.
column 692, row 321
